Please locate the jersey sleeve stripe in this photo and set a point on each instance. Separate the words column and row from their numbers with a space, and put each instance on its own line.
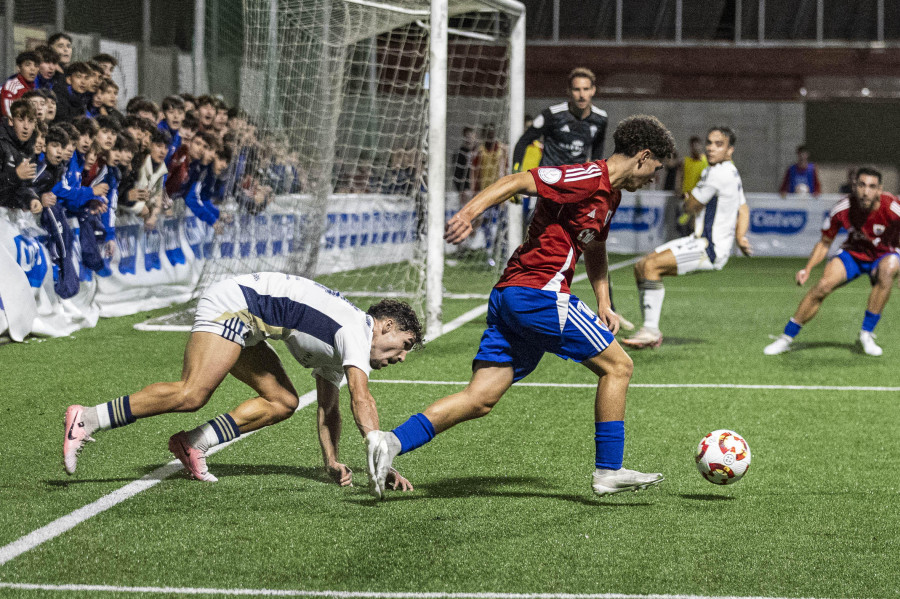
column 582, row 177
column 559, row 107
column 895, row 208
column 842, row 205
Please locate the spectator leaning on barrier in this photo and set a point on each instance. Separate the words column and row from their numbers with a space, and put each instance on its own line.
column 16, row 152
column 173, row 109
column 21, row 81
column 151, row 180
column 802, row 176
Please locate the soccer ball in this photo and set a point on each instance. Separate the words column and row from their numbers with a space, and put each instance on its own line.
column 723, row 457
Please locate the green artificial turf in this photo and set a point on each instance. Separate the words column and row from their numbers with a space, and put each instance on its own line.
column 502, row 504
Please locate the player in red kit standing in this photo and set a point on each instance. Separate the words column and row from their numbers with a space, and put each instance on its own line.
column 872, row 219
column 532, row 310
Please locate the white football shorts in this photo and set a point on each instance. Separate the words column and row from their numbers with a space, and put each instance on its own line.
column 690, row 254
column 218, row 310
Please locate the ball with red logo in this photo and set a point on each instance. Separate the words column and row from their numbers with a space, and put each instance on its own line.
column 723, row 457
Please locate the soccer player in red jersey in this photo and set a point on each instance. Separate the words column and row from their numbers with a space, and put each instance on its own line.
column 872, row 219
column 532, row 310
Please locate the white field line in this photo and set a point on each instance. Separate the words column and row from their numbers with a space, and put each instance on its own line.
column 67, row 522
column 657, row 385
column 83, row 588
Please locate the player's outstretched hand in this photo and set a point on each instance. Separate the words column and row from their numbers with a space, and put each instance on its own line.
column 801, row 276
column 744, row 245
column 340, row 474
column 610, row 319
column 396, row 482
column 457, row 229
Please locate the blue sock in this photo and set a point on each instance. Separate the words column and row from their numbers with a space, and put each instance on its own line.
column 610, row 439
column 119, row 411
column 792, row 328
column 225, row 427
column 415, row 432
column 869, row 321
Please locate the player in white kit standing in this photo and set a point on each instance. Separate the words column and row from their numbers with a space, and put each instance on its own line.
column 322, row 330
column 722, row 217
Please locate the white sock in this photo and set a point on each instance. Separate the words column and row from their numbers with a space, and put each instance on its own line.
column 203, row 437
column 652, row 295
column 95, row 418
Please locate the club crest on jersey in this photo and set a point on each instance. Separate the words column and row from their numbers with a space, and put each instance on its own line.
column 878, row 229
column 549, row 175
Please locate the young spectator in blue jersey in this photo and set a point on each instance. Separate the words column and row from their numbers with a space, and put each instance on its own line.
column 17, row 168
column 120, row 154
column 107, row 131
column 173, row 108
column 19, row 82
column 75, row 196
column 72, row 100
column 202, row 183
column 48, row 68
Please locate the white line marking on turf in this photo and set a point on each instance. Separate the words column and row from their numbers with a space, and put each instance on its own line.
column 658, row 385
column 67, row 522
column 351, row 594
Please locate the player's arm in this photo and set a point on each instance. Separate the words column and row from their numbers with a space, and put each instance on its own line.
column 740, row 231
column 819, row 252
column 691, row 204
column 328, row 421
column 596, row 265
column 460, row 224
column 366, row 415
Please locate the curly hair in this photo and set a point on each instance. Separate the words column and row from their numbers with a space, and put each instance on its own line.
column 643, row 132
column 403, row 315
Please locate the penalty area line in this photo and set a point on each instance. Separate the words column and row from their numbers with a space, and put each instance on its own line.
column 82, row 588
column 658, row 386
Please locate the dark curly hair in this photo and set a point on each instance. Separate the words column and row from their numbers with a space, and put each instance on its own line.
column 643, row 132
column 403, row 315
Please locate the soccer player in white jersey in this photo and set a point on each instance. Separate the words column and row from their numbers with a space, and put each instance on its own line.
column 722, row 217
column 322, row 330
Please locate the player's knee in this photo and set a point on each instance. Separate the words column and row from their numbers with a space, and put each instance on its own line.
column 621, row 367
column 888, row 270
column 192, row 397
column 284, row 406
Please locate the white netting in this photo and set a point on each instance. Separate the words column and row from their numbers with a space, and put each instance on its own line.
column 331, row 177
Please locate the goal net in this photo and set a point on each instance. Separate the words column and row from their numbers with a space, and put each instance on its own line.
column 346, row 167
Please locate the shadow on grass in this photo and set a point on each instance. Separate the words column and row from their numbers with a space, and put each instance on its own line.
column 706, row 497
column 683, row 341
column 220, row 470
column 853, row 348
column 495, row 486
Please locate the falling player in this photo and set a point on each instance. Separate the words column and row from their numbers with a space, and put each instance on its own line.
column 872, row 220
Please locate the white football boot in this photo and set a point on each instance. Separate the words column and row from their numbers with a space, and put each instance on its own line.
column 645, row 337
column 867, row 340
column 608, row 482
column 779, row 346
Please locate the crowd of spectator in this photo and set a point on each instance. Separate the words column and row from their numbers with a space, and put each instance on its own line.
column 68, row 153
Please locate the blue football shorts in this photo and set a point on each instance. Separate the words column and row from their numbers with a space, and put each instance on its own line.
column 525, row 323
column 856, row 267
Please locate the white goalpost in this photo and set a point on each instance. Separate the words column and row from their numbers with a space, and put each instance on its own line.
column 345, row 171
